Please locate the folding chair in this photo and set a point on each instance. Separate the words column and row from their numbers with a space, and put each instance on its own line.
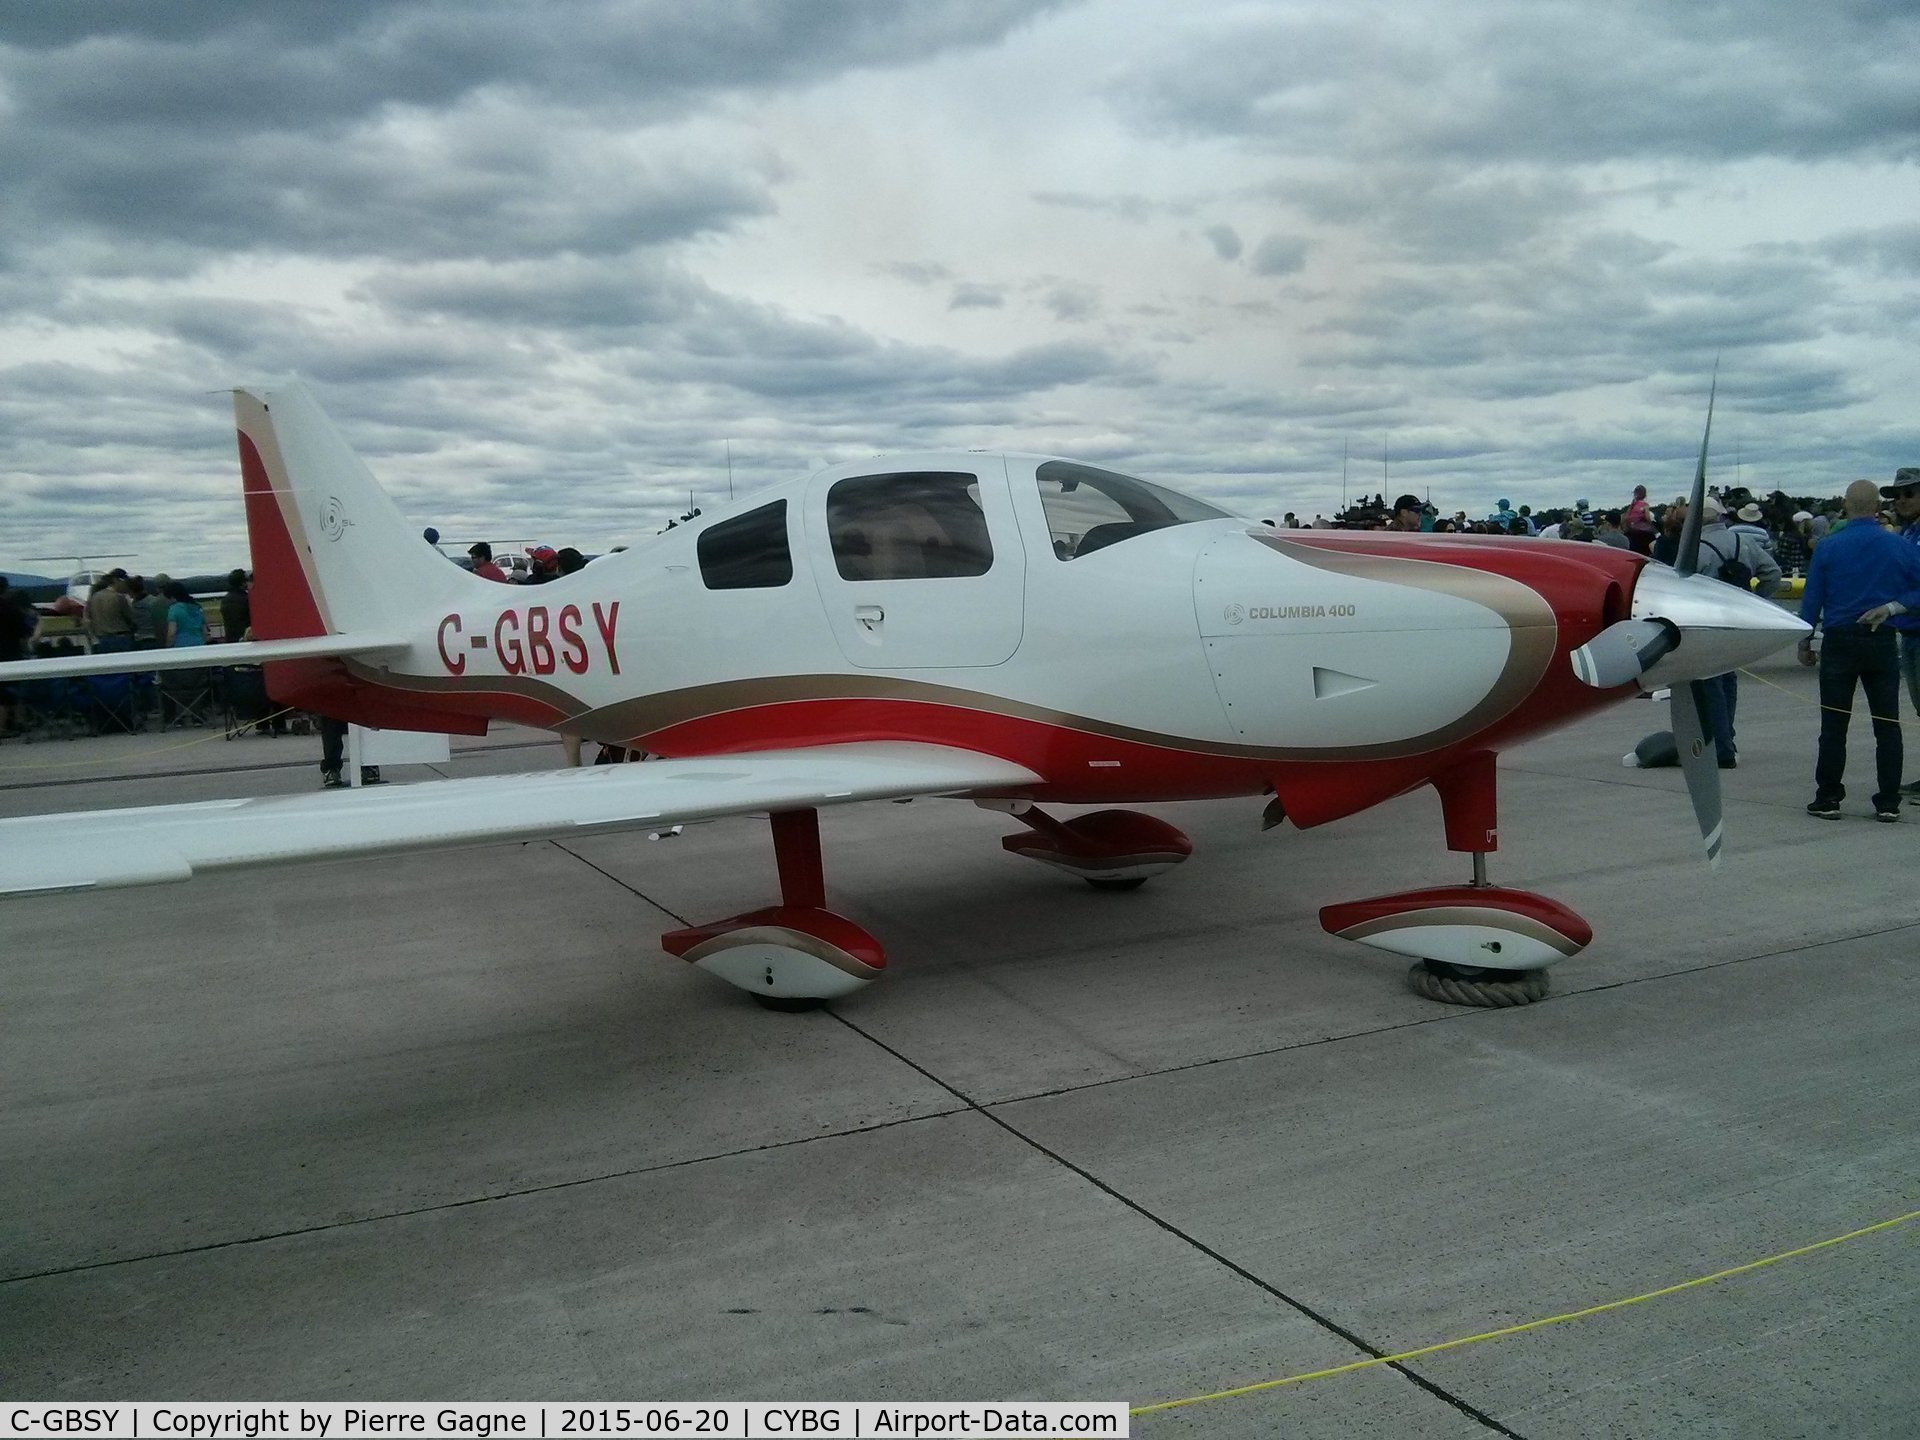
column 47, row 710
column 109, row 705
column 244, row 703
column 186, row 699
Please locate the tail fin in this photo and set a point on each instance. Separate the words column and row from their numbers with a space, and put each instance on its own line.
column 331, row 553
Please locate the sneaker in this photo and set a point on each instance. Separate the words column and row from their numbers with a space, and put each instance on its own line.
column 1887, row 817
column 1911, row 788
column 370, row 775
column 1732, row 762
column 1824, row 809
column 330, row 780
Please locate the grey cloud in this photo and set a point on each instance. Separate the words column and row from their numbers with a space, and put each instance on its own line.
column 1444, row 213
column 358, row 128
column 1225, row 241
column 914, row 272
column 970, row 296
column 1511, row 80
column 1890, row 249
column 1600, row 312
column 587, row 295
column 1070, row 300
column 210, row 66
column 493, row 183
column 1278, row 255
column 1136, row 209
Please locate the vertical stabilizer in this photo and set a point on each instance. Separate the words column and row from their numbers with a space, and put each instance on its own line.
column 331, row 553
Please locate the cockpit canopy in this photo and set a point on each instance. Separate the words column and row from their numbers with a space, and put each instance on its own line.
column 1089, row 509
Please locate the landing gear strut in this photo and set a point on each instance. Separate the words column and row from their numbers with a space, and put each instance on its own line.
column 1474, row 944
column 794, row 955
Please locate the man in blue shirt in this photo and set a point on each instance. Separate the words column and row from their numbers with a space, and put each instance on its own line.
column 1905, row 494
column 1861, row 577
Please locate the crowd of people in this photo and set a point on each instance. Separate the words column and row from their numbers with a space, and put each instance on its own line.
column 1858, row 556
column 1787, row 526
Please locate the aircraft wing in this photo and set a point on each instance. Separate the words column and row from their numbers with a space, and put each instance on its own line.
column 198, row 657
column 146, row 846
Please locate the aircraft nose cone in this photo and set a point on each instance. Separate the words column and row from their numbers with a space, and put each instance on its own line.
column 1721, row 626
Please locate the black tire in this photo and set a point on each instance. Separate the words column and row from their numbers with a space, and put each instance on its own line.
column 787, row 1004
column 1132, row 882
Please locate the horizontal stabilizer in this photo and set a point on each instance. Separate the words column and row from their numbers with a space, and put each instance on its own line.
column 199, row 657
column 98, row 849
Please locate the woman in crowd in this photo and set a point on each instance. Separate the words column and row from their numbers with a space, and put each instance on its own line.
column 186, row 622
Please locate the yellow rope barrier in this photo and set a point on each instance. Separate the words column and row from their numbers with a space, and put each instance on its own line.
column 1817, row 704
column 141, row 754
column 1591, row 1310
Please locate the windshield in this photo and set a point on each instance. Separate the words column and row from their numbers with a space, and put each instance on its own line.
column 1089, row 509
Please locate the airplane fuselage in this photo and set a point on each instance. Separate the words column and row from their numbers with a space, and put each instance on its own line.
column 953, row 601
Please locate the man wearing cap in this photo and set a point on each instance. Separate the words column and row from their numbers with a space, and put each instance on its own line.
column 481, row 553
column 1861, row 577
column 541, row 565
column 109, row 618
column 1406, row 514
column 1905, row 494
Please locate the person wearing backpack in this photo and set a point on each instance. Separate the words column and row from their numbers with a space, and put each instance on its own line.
column 1743, row 562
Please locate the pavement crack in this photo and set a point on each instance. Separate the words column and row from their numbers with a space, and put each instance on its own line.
column 445, row 1206
column 634, row 890
column 1325, row 1322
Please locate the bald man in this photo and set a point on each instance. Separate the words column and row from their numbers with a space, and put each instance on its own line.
column 1861, row 576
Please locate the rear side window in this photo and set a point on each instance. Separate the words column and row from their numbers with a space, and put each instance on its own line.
column 748, row 552
column 924, row 525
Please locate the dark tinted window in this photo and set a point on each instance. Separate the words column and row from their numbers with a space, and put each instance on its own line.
column 925, row 525
column 748, row 552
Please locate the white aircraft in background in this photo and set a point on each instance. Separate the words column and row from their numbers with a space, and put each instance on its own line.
column 1008, row 629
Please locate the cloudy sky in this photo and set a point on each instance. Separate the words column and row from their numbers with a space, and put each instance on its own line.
column 546, row 264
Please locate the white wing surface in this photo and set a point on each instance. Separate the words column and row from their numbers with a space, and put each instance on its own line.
column 199, row 657
column 150, row 845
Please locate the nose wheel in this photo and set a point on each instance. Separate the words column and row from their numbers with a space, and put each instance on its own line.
column 1477, row 944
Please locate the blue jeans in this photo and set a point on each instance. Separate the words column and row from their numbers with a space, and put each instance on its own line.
column 1870, row 659
column 1723, row 694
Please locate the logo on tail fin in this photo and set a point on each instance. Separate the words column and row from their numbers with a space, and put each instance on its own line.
column 334, row 521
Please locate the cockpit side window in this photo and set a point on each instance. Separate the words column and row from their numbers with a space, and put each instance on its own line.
column 748, row 552
column 1089, row 509
column 923, row 525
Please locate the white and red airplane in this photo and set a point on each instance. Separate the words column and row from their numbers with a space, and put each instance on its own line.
column 1008, row 629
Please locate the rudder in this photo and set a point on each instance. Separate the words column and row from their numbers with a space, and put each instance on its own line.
column 331, row 552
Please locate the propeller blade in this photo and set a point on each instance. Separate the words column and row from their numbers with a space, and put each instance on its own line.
column 1698, row 763
column 1686, row 559
column 1624, row 651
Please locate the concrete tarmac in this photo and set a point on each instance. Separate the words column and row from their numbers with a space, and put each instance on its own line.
column 451, row 1126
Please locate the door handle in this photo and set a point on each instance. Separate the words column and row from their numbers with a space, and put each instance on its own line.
column 869, row 617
